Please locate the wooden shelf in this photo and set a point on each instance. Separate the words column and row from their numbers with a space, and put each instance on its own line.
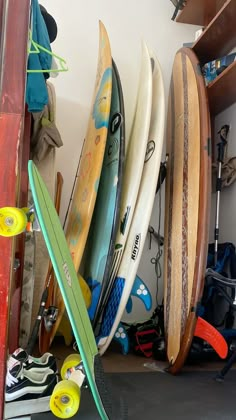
column 199, row 12
column 219, row 38
column 222, row 91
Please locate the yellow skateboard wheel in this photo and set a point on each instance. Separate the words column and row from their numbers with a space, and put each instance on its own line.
column 71, row 361
column 13, row 221
column 65, row 399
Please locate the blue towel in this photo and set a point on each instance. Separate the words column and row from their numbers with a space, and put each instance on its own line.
column 36, row 90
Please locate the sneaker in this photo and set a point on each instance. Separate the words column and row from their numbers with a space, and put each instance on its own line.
column 31, row 386
column 47, row 361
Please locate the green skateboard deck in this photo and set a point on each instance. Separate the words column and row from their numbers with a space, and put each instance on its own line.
column 71, row 292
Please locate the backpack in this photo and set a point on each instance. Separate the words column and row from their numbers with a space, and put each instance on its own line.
column 219, row 290
column 143, row 335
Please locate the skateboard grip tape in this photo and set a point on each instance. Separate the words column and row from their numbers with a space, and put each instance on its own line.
column 105, row 391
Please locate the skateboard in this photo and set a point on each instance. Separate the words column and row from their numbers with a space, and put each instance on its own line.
column 66, row 396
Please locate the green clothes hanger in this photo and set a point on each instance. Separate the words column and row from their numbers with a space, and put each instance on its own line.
column 37, row 49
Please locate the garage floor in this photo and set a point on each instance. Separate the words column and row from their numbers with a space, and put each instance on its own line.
column 152, row 394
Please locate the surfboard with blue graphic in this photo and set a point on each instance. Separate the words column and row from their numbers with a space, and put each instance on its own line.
column 90, row 165
column 103, row 230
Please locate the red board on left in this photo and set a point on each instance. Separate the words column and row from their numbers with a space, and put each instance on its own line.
column 14, row 17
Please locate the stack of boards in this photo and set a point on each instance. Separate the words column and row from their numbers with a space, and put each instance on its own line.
column 138, row 192
column 113, row 197
column 121, row 216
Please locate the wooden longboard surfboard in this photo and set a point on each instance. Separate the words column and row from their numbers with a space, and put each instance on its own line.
column 89, row 171
column 103, row 230
column 187, row 204
column 141, row 217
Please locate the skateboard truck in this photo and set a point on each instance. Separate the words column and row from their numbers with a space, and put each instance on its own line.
column 33, row 224
column 73, row 369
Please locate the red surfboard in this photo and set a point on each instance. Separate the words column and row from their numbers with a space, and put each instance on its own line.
column 14, row 17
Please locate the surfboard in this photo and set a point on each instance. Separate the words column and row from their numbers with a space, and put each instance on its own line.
column 132, row 177
column 143, row 208
column 103, row 230
column 187, row 204
column 90, row 166
column 92, row 155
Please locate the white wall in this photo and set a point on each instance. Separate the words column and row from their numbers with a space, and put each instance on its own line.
column 127, row 23
column 227, row 225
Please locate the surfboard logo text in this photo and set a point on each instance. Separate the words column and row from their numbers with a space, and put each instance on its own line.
column 150, row 150
column 115, row 122
column 67, row 274
column 136, row 247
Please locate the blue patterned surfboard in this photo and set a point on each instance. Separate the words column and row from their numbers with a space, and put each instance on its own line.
column 101, row 241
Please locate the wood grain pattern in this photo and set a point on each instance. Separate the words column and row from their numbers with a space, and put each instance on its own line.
column 199, row 12
column 17, row 277
column 187, row 203
column 14, row 36
column 216, row 41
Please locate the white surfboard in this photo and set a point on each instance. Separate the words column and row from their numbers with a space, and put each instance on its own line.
column 142, row 213
column 134, row 162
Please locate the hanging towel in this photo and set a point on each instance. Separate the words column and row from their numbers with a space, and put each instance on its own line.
column 45, row 134
column 36, row 89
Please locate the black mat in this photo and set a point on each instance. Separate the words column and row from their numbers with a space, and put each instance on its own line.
column 156, row 395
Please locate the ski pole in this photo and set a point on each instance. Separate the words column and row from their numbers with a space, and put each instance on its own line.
column 221, row 145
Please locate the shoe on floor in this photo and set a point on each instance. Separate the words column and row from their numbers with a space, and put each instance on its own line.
column 27, row 391
column 46, row 361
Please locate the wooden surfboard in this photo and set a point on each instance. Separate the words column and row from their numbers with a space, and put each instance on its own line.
column 187, row 204
column 90, row 166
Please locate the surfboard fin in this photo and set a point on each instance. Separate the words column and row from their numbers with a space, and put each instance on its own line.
column 208, row 333
column 140, row 291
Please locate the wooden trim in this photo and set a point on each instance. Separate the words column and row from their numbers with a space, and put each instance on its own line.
column 199, row 12
column 222, row 91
